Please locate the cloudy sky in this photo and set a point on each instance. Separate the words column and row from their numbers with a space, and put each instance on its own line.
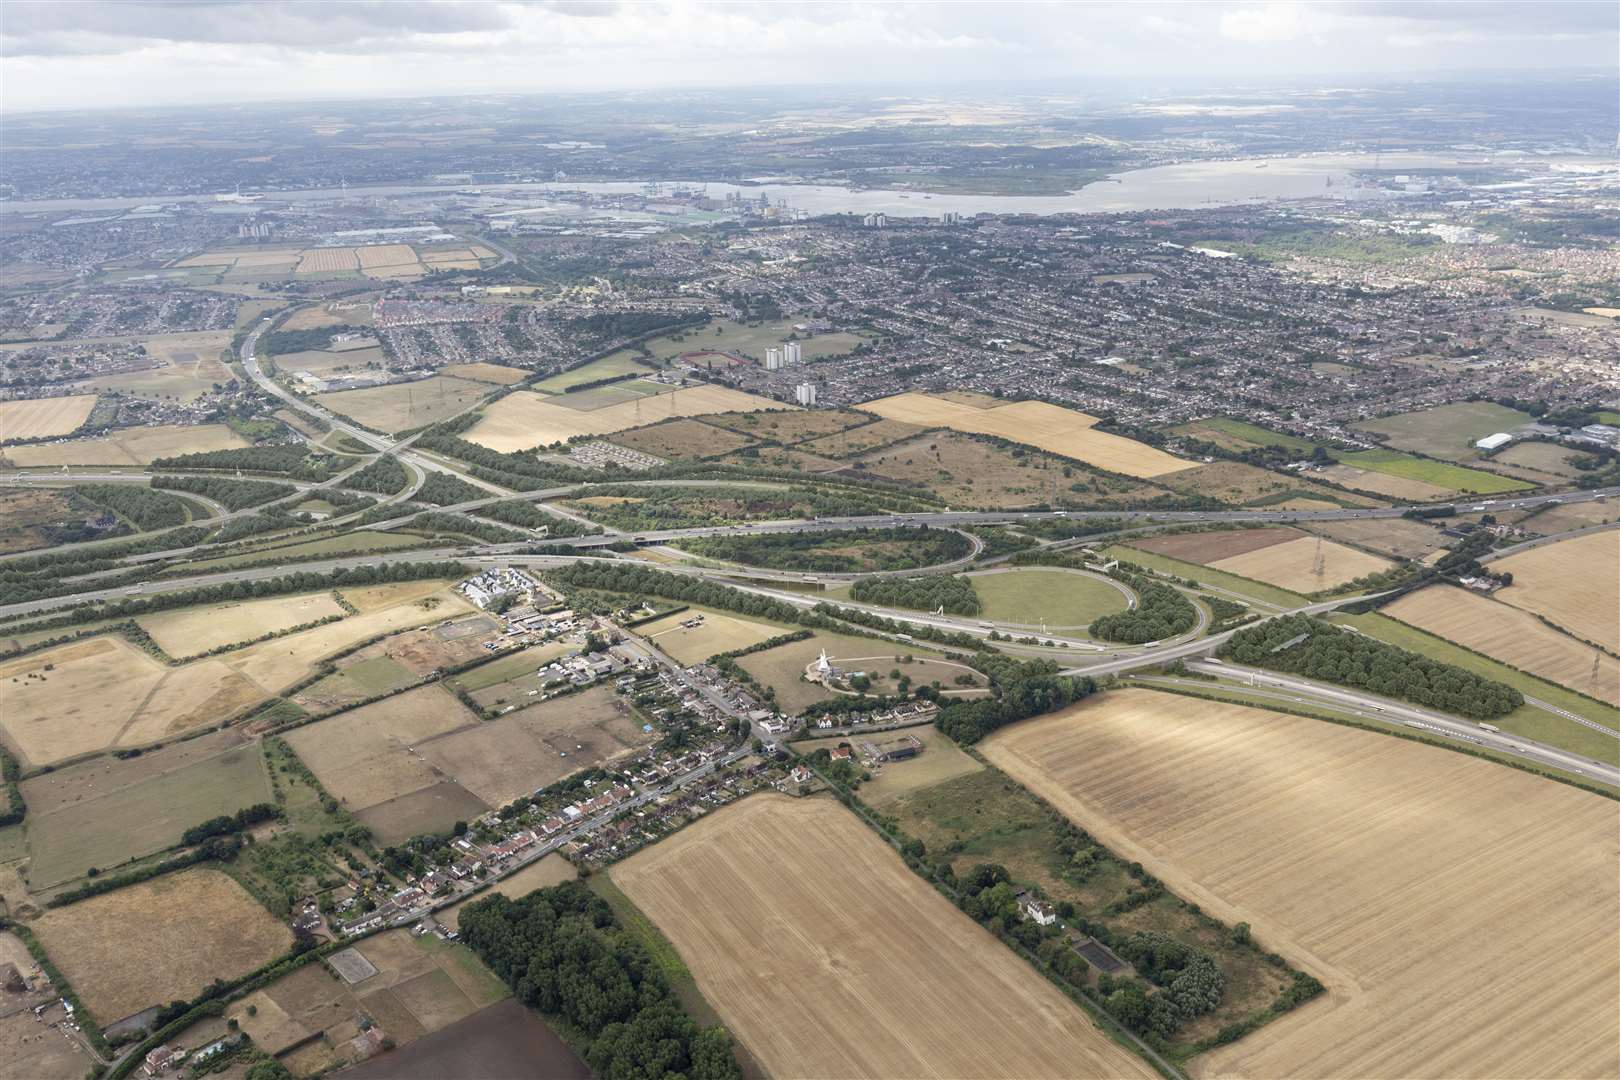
column 105, row 53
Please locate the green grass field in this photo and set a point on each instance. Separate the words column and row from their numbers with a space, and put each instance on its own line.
column 511, row 667
column 1448, row 431
column 1394, row 463
column 622, row 362
column 1204, row 575
column 751, row 341
column 378, row 675
column 1607, row 416
column 143, row 817
column 1258, row 436
column 1055, row 597
column 1529, row 721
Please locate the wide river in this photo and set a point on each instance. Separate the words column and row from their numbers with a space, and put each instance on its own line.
column 1165, row 187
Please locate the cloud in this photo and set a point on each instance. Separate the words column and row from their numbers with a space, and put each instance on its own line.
column 102, row 53
column 1269, row 23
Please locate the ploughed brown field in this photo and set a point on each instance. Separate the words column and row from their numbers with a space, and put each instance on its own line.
column 1464, row 916
column 827, row 957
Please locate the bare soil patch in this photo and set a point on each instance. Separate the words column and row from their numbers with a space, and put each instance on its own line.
column 1205, row 548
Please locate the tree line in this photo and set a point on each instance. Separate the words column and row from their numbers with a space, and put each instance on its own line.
column 562, row 952
column 233, row 494
column 293, row 461
column 880, row 549
column 952, row 592
column 1019, row 689
column 1332, row 654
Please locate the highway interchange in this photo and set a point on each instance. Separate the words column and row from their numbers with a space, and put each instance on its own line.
column 1082, row 655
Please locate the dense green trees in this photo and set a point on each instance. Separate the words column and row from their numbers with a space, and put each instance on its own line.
column 1333, row 654
column 928, row 593
column 562, row 952
column 137, row 504
column 1191, row 984
column 823, row 552
column 291, row 460
column 233, row 494
column 226, row 824
column 1020, row 689
column 1160, row 612
column 281, row 342
column 443, row 489
column 385, row 475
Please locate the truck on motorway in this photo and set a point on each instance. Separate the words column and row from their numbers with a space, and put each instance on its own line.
column 1490, row 727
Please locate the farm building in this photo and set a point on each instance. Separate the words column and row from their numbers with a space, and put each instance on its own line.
column 1494, row 442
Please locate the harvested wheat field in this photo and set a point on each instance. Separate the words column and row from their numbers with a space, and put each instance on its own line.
column 386, row 255
column 1575, row 583
column 327, row 260
column 1292, row 565
column 1034, row 423
column 397, row 406
column 1511, row 636
column 524, row 420
column 826, row 957
column 40, row 418
column 189, row 631
column 499, row 374
column 128, row 446
column 1464, row 916
column 159, row 941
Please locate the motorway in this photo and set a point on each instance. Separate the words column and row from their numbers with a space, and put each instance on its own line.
column 1388, row 710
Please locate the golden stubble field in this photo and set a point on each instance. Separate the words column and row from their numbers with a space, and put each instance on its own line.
column 1292, row 564
column 56, row 705
column 190, row 631
column 826, row 957
column 524, row 420
column 1464, row 916
column 1575, row 583
column 1034, row 423
column 159, row 941
column 398, row 406
column 128, row 446
column 1512, row 636
column 40, row 418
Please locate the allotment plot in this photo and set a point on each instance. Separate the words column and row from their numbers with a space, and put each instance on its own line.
column 1464, row 916
column 827, row 957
